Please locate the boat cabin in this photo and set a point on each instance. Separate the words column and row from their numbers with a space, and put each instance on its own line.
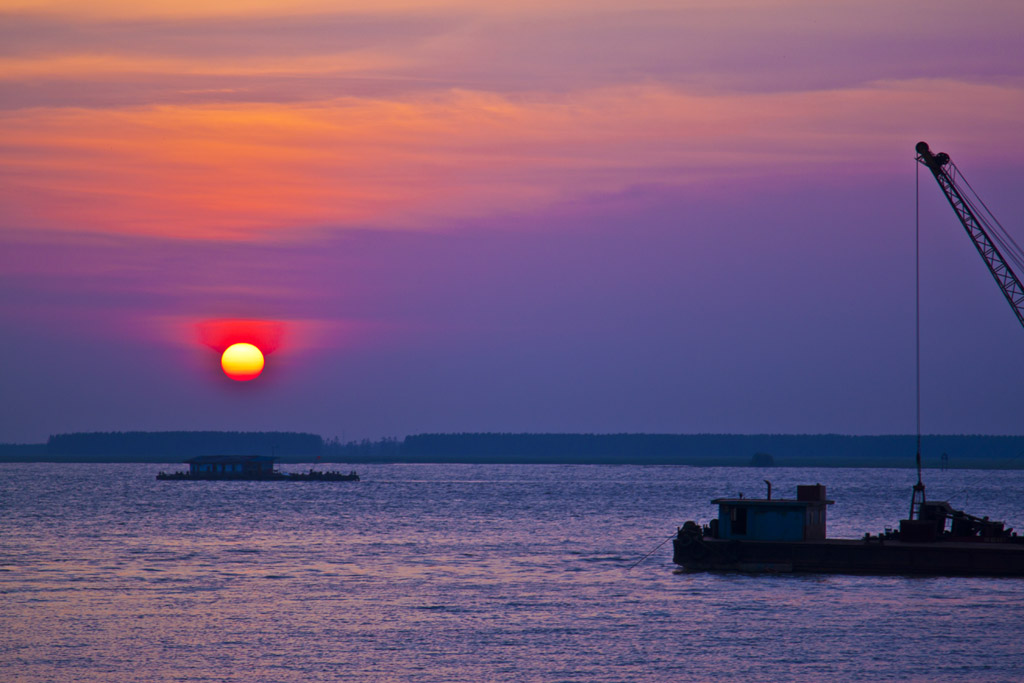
column 231, row 465
column 773, row 519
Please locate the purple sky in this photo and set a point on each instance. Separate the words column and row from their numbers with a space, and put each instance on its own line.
column 610, row 217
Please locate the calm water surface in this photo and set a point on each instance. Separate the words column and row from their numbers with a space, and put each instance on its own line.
column 469, row 573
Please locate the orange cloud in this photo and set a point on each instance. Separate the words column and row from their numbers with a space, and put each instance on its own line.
column 198, row 8
column 271, row 171
column 263, row 120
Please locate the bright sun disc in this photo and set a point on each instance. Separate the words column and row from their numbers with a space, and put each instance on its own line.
column 242, row 362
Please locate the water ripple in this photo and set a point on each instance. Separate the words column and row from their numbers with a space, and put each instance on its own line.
column 468, row 573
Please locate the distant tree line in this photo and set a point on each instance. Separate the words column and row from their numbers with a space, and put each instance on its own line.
column 387, row 449
column 762, row 450
column 710, row 449
column 22, row 452
column 174, row 446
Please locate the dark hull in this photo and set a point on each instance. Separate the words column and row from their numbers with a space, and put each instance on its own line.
column 276, row 476
column 950, row 558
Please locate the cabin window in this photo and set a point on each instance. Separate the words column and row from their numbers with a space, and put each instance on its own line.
column 739, row 520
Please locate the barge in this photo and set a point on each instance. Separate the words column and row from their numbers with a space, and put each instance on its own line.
column 789, row 535
column 247, row 468
column 782, row 535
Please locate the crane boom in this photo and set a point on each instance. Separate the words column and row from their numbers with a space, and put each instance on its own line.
column 997, row 265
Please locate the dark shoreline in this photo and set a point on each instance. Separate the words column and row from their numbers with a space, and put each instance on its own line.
column 696, row 450
column 869, row 463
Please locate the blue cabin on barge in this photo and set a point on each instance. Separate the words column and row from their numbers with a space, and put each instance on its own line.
column 767, row 519
column 248, row 468
column 227, row 466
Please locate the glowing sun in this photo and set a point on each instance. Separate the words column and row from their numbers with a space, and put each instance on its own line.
column 242, row 362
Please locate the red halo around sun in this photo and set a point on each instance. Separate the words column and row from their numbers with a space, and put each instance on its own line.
column 239, row 336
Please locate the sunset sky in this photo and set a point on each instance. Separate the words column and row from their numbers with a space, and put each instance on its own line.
column 599, row 216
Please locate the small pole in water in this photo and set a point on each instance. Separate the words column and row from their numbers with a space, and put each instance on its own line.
column 769, row 489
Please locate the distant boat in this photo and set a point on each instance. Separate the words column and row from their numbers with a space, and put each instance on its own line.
column 788, row 535
column 247, row 468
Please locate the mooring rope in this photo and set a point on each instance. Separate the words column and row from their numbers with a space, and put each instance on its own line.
column 650, row 553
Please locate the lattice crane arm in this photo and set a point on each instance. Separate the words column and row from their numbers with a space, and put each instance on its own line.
column 1004, row 276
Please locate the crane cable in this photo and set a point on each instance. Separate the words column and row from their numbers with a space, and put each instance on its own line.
column 917, row 310
column 998, row 233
